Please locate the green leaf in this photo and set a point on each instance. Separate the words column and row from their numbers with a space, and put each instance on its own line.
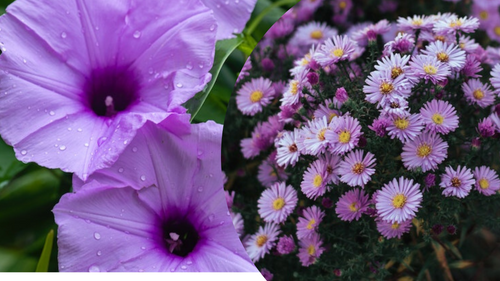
column 13, row 261
column 43, row 262
column 9, row 165
column 223, row 49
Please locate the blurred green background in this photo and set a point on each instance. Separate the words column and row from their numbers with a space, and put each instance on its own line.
column 28, row 192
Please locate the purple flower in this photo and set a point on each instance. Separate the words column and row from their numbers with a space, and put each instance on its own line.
column 254, row 95
column 231, row 16
column 308, row 224
column 266, row 274
column 261, row 243
column 285, row 245
column 338, row 48
column 486, row 128
column 356, row 169
column 277, row 202
column 478, row 93
column 457, row 182
column 429, row 68
column 310, row 249
column 178, row 222
column 344, row 135
column 487, row 181
column 398, row 200
column 82, row 79
column 426, row 151
column 390, row 230
column 439, row 116
column 352, row 205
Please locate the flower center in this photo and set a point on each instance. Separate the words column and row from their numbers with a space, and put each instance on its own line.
column 417, row 22
column 399, row 201
column 292, row 148
column 430, row 69
column 345, row 136
column 338, row 52
column 311, row 224
column 497, row 30
column 321, row 134
column 358, row 168
column 330, row 117
column 317, row 181
column 456, row 182
column 456, row 23
column 386, row 88
column 442, row 56
column 278, row 203
column 438, row 118
column 329, row 169
column 342, row 5
column 256, row 96
column 294, row 87
column 353, row 207
column 261, row 240
column 401, row 123
column 478, row 94
column 109, row 91
column 395, row 72
column 317, row 34
column 311, row 250
column 180, row 237
column 440, row 38
column 483, row 15
column 484, row 183
column 395, row 225
column 423, row 150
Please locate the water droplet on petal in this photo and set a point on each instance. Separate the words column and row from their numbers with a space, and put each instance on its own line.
column 62, row 147
column 63, row 35
column 179, row 85
column 189, row 262
column 189, row 66
column 235, row 30
column 183, row 267
column 211, row 217
column 86, row 145
column 101, row 140
column 212, row 27
column 24, row 60
column 97, row 236
column 23, row 152
column 221, row 223
column 200, row 189
column 137, row 34
column 134, row 149
column 144, row 248
column 94, row 268
column 151, row 71
column 52, row 113
column 143, row 178
column 120, row 170
column 201, row 65
column 99, row 253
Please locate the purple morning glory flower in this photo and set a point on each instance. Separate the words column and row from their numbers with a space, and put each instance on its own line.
column 178, row 222
column 79, row 79
column 231, row 15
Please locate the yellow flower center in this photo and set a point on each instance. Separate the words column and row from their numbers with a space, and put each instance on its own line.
column 311, row 250
column 358, row 168
column 386, row 88
column 304, row 62
column 317, row 34
column 497, row 30
column 294, row 87
column 483, row 15
column 430, row 69
column 317, row 181
column 395, row 72
column 440, row 38
column 338, row 52
column 423, row 150
column 278, row 203
column 345, row 136
column 462, row 45
column 256, row 96
column 484, row 183
column 321, row 134
column 455, row 182
column 292, row 148
column 353, row 207
column 311, row 224
column 456, row 23
column 417, row 22
column 442, row 56
column 273, row 174
column 342, row 4
column 401, row 123
column 330, row 117
column 261, row 240
column 438, row 118
column 399, row 201
column 478, row 94
column 395, row 225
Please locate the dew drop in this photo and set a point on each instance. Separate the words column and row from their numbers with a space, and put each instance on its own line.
column 99, row 253
column 228, row 213
column 151, row 71
column 212, row 27
column 86, row 145
column 69, row 129
column 23, row 152
column 189, row 262
column 79, row 129
column 184, row 267
column 221, row 223
column 120, row 170
column 189, row 66
column 64, row 35
column 134, row 149
column 235, row 30
column 201, row 65
column 211, row 217
column 179, row 85
column 143, row 178
column 101, row 140
column 144, row 248
column 200, row 152
column 137, row 34
column 52, row 113
column 200, row 189
column 97, row 236
column 24, row 60
column 172, row 269
column 218, row 6
column 94, row 268
column 62, row 147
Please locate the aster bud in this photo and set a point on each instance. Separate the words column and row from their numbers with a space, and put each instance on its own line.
column 371, row 35
column 266, row 274
column 267, row 64
column 451, row 229
column 362, row 141
column 341, row 95
column 437, row 228
column 313, row 78
column 314, row 65
column 475, row 144
column 337, row 272
column 327, row 203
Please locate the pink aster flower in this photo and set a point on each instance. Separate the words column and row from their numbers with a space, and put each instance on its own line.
column 286, row 245
column 379, row 125
column 356, row 169
column 277, row 202
column 344, row 135
column 486, row 127
column 495, row 77
column 338, row 48
column 314, row 183
column 457, row 182
column 308, row 224
column 270, row 172
column 395, row 63
column 124, row 226
column 381, row 87
column 262, row 242
column 439, row 116
column 325, row 110
column 237, row 223
column 288, row 152
column 411, row 24
column 390, row 230
column 487, row 182
column 403, row 43
column 352, row 205
column 405, row 126
column 449, row 54
column 426, row 151
column 314, row 139
column 478, row 93
column 453, row 24
column 398, row 200
column 429, row 68
column 472, row 67
column 254, row 95
column 313, row 33
column 81, row 91
column 310, row 249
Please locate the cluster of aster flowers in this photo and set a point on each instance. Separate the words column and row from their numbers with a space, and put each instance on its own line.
column 96, row 89
column 377, row 129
